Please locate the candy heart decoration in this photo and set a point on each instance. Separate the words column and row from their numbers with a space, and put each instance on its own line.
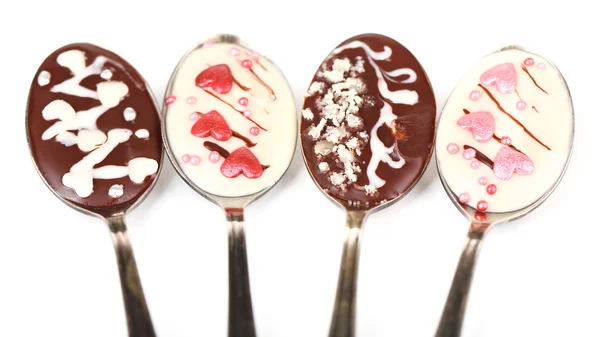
column 212, row 124
column 504, row 76
column 242, row 161
column 217, row 77
column 509, row 161
column 481, row 124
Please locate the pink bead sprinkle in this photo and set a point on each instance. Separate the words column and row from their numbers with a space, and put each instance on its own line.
column 247, row 113
column 464, row 198
column 528, row 61
column 195, row 160
column 521, row 105
column 214, row 156
column 243, row 101
column 194, row 116
column 185, row 158
column 255, row 56
column 475, row 164
column 254, row 131
column 234, row 51
column 191, row 100
column 247, row 64
column 482, row 205
column 452, row 148
column 506, row 140
column 482, row 181
column 541, row 66
column 170, row 100
column 491, row 189
column 469, row 154
column 475, row 95
column 208, row 44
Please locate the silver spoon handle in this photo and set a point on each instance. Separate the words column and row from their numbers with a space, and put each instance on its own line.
column 139, row 322
column 454, row 310
column 342, row 322
column 241, row 318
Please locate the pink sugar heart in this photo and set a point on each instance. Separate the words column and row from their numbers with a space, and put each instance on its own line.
column 481, row 124
column 504, row 76
column 509, row 161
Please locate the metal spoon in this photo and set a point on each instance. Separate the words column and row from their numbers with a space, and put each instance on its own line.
column 367, row 135
column 87, row 102
column 230, row 128
column 528, row 78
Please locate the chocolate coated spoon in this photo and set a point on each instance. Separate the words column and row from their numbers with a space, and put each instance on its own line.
column 504, row 142
column 93, row 130
column 368, row 126
column 230, row 130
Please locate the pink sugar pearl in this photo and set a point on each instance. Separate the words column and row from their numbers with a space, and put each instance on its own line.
column 464, row 198
column 195, row 160
column 247, row 113
column 506, row 140
column 191, row 100
column 247, row 64
column 475, row 95
column 194, row 116
column 170, row 100
column 482, row 181
column 521, row 105
column 452, row 148
column 214, row 156
column 255, row 56
column 234, row 51
column 528, row 61
column 482, row 206
column 541, row 66
column 243, row 101
column 491, row 189
column 254, row 131
column 475, row 164
column 185, row 158
column 469, row 154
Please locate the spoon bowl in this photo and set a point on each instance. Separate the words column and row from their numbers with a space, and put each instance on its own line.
column 93, row 131
column 531, row 78
column 230, row 130
column 368, row 127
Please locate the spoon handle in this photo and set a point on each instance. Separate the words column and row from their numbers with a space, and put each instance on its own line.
column 454, row 310
column 342, row 322
column 139, row 322
column 241, row 318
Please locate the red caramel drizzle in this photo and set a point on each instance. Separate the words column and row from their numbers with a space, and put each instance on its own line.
column 250, row 119
column 533, row 79
column 481, row 157
column 511, row 117
column 246, row 140
column 210, row 146
column 498, row 139
column 264, row 85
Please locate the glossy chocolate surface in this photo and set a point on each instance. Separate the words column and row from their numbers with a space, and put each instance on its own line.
column 55, row 159
column 393, row 82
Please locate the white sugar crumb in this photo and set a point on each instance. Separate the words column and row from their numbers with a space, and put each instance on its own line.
column 349, row 171
column 315, row 131
column 363, row 135
column 315, row 87
column 359, row 66
column 352, row 143
column 335, row 135
column 323, row 147
column 308, row 114
column 323, row 167
column 345, row 155
column 342, row 65
column 370, row 189
column 334, row 76
column 337, row 178
column 354, row 121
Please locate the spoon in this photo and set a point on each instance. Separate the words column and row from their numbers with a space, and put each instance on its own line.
column 93, row 131
column 368, row 128
column 230, row 128
column 499, row 154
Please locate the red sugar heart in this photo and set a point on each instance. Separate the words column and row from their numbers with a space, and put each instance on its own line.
column 503, row 76
column 509, row 161
column 242, row 161
column 481, row 124
column 212, row 124
column 217, row 77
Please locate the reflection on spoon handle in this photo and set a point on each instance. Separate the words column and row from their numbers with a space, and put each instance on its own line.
column 241, row 318
column 342, row 322
column 452, row 317
column 138, row 318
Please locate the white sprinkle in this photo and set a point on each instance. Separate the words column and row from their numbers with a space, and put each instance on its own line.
column 142, row 134
column 370, row 189
column 337, row 178
column 129, row 114
column 334, row 76
column 43, row 78
column 323, row 167
column 342, row 65
column 323, row 147
column 115, row 191
column 315, row 87
column 106, row 74
column 308, row 114
column 315, row 131
column 352, row 143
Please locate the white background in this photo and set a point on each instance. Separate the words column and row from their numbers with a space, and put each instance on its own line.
column 539, row 276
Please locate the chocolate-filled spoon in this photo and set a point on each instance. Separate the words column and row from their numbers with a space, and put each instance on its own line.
column 367, row 134
column 93, row 130
column 504, row 142
column 230, row 130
